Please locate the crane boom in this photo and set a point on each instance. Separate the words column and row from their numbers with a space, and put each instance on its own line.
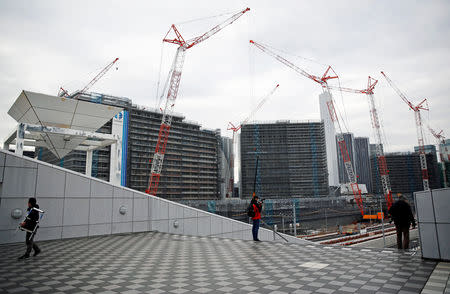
column 99, row 76
column 174, row 84
column 419, row 130
column 63, row 93
column 340, row 137
column 260, row 104
column 235, row 129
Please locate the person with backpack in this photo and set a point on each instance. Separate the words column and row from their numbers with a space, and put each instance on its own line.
column 30, row 226
column 254, row 211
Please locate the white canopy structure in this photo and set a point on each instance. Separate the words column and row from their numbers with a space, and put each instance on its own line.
column 60, row 124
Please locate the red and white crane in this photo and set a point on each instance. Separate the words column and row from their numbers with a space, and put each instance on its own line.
column 440, row 140
column 423, row 105
column 63, row 93
column 174, row 85
column 381, row 159
column 323, row 81
column 235, row 129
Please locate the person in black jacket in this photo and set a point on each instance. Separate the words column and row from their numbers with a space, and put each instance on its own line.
column 402, row 216
column 29, row 225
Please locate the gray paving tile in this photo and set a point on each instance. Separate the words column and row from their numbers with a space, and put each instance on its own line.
column 164, row 263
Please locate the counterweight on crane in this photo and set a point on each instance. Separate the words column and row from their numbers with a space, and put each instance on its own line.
column 421, row 106
column 340, row 137
column 381, row 159
column 64, row 93
column 174, row 85
column 440, row 140
column 235, row 129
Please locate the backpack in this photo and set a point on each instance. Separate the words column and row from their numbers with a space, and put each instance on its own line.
column 251, row 211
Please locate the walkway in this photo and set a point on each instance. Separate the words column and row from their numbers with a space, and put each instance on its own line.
column 163, row 263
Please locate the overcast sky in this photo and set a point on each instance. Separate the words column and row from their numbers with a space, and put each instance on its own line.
column 48, row 44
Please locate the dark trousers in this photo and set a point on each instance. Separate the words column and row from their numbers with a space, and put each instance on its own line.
column 255, row 229
column 30, row 244
column 402, row 233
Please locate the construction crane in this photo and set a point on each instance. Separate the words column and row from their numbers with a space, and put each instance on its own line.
column 63, row 93
column 235, row 129
column 440, row 140
column 174, row 84
column 423, row 105
column 323, row 81
column 381, row 159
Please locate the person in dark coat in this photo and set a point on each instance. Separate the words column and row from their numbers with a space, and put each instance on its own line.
column 257, row 208
column 29, row 225
column 402, row 216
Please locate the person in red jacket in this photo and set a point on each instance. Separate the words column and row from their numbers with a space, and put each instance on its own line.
column 257, row 207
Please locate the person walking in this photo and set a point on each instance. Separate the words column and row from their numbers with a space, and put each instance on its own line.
column 257, row 208
column 29, row 225
column 402, row 216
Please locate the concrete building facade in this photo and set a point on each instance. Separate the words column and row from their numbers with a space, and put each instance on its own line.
column 362, row 162
column 330, row 141
column 292, row 160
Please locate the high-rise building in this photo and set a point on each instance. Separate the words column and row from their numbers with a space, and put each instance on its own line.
column 287, row 159
column 428, row 149
column 362, row 162
column 226, row 167
column 330, row 141
column 405, row 173
column 191, row 162
column 350, row 143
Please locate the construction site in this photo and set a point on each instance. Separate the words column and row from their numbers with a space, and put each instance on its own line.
column 314, row 176
column 273, row 149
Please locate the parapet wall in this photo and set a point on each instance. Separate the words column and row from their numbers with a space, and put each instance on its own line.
column 79, row 206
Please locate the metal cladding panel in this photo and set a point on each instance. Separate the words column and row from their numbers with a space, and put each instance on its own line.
column 428, row 240
column 424, row 207
column 441, row 204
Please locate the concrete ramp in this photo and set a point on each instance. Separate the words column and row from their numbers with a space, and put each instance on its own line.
column 81, row 206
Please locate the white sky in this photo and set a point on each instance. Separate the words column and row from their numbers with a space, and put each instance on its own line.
column 48, row 44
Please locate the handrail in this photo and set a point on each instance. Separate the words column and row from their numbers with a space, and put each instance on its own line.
column 273, row 229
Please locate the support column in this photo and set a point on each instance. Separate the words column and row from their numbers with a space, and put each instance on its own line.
column 20, row 139
column 115, row 170
column 89, row 163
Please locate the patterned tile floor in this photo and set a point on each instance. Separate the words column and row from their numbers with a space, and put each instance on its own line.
column 163, row 263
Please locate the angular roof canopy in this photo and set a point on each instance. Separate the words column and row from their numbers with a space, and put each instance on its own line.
column 53, row 111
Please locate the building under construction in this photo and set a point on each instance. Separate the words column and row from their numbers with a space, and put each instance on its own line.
column 283, row 159
column 191, row 163
column 405, row 173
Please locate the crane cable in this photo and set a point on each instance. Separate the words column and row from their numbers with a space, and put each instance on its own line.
column 345, row 122
column 207, row 17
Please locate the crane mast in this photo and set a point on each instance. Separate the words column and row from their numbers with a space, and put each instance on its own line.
column 174, row 84
column 381, row 159
column 419, row 130
column 332, row 111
